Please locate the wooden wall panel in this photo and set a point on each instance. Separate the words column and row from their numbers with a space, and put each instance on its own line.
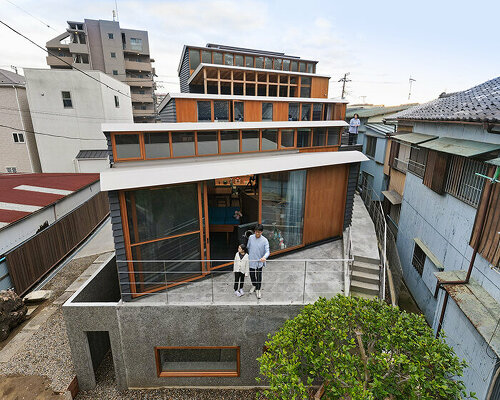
column 280, row 111
column 186, row 110
column 319, row 87
column 339, row 111
column 325, row 202
column 397, row 181
column 435, row 171
column 253, row 111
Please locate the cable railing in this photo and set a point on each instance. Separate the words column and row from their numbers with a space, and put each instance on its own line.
column 284, row 281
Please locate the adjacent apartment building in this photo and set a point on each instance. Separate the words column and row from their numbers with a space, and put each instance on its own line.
column 67, row 109
column 18, row 150
column 252, row 138
column 449, row 223
column 120, row 53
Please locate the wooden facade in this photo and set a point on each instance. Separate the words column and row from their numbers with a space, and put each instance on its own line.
column 30, row 261
column 435, row 171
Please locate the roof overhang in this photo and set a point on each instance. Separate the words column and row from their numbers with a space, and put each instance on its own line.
column 210, row 126
column 414, row 138
column 393, row 196
column 460, row 147
column 200, row 67
column 170, row 172
column 495, row 162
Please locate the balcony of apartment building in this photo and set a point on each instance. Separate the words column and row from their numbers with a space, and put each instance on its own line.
column 138, row 79
column 143, row 109
column 138, row 64
column 59, row 61
column 142, row 97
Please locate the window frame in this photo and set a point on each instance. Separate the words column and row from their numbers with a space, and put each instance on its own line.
column 418, row 259
column 370, row 146
column 117, row 102
column 194, row 373
column 67, row 99
column 112, row 54
column 141, row 146
column 111, row 36
column 18, row 137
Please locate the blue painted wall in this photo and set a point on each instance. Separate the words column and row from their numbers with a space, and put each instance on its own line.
column 375, row 165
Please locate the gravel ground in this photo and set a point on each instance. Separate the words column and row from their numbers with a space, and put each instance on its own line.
column 106, row 389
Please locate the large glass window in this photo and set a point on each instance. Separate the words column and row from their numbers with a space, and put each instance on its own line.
column 157, row 145
column 267, row 111
column 194, row 58
column 333, row 136
column 228, row 59
column 206, row 57
column 217, row 58
column 239, row 111
column 238, row 60
column 317, row 107
column 294, row 66
column 183, row 144
column 310, row 68
column 269, row 139
column 204, row 111
column 287, row 138
column 259, row 62
column 249, row 61
column 249, row 141
column 207, row 143
column 302, row 67
column 306, row 112
column 198, row 361
column 136, row 44
column 293, row 111
column 286, row 65
column 221, row 111
column 304, row 137
column 305, row 86
column 229, row 141
column 283, row 197
column 319, row 137
column 268, row 63
column 277, row 63
column 127, row 146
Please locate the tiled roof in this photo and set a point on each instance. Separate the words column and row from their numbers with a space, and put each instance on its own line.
column 381, row 128
column 371, row 111
column 478, row 104
column 22, row 194
column 8, row 78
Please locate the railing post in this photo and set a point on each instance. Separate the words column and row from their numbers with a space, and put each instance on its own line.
column 212, row 278
column 166, row 281
column 304, row 288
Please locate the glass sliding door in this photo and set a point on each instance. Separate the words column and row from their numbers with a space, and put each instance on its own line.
column 163, row 225
column 283, row 198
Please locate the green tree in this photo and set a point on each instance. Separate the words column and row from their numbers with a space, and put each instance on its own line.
column 360, row 350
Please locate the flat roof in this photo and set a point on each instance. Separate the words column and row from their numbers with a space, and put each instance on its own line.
column 233, row 67
column 23, row 194
column 169, row 172
column 414, row 137
column 210, row 126
column 393, row 196
column 200, row 96
column 460, row 147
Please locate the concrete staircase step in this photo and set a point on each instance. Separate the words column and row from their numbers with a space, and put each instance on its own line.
column 366, row 259
column 355, row 293
column 367, row 277
column 365, row 267
column 364, row 287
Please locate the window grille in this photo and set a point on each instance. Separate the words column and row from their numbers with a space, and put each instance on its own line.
column 417, row 161
column 462, row 181
column 418, row 259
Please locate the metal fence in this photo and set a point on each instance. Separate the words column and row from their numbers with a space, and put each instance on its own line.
column 284, row 281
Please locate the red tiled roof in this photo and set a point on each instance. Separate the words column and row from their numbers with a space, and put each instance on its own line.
column 63, row 181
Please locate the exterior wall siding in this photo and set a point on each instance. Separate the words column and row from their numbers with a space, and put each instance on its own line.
column 375, row 166
column 351, row 189
column 168, row 113
column 184, row 74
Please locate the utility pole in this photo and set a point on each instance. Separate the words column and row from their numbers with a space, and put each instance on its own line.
column 14, row 68
column 411, row 80
column 364, row 99
column 344, row 80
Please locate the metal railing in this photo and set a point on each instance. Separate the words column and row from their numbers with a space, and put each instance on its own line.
column 400, row 165
column 284, row 281
column 416, row 167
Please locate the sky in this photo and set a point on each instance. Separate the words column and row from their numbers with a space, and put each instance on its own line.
column 445, row 46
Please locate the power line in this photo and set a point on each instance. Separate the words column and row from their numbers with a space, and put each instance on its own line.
column 59, row 58
column 31, row 15
column 17, row 110
column 46, row 134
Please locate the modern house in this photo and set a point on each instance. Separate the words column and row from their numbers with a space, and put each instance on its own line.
column 449, row 225
column 42, row 218
column 18, row 151
column 252, row 138
column 105, row 46
column 373, row 134
column 67, row 109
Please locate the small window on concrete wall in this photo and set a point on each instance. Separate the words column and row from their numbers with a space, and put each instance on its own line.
column 18, row 137
column 418, row 259
column 66, row 98
column 198, row 361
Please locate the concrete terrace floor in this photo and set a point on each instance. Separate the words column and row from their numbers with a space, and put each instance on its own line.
column 285, row 281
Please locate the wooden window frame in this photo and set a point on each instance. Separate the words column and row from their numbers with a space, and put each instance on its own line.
column 280, row 147
column 141, row 146
column 277, row 139
column 169, row 146
column 194, row 373
column 189, row 60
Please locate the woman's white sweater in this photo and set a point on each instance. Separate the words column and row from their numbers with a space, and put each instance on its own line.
column 241, row 264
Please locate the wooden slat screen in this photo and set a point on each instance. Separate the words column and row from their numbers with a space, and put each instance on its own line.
column 489, row 247
column 31, row 260
column 393, row 152
column 435, row 171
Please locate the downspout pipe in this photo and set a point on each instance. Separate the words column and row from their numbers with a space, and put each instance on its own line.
column 489, row 188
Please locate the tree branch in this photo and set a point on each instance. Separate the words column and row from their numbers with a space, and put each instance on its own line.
column 363, row 356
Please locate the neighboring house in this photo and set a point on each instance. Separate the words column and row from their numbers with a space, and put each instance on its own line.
column 67, row 109
column 120, row 53
column 18, row 152
column 42, row 218
column 372, row 135
column 452, row 143
column 182, row 194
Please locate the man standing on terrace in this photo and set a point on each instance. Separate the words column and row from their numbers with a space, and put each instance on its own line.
column 258, row 252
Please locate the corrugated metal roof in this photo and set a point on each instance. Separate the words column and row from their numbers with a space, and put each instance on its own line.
column 94, row 154
column 8, row 78
column 478, row 104
column 480, row 308
column 460, row 147
column 495, row 161
column 393, row 196
column 414, row 137
column 381, row 128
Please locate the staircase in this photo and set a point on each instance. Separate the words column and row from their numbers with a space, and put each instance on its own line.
column 365, row 281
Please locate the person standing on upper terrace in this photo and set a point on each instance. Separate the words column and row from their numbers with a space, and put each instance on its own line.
column 258, row 252
column 354, row 124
